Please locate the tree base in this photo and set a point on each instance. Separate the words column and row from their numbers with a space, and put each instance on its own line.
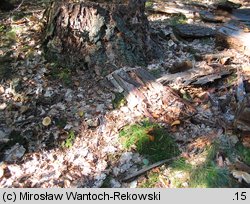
column 100, row 36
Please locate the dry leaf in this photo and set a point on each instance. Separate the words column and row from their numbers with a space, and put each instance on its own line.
column 246, row 140
column 177, row 122
column 81, row 113
column 241, row 175
column 151, row 138
column 224, row 60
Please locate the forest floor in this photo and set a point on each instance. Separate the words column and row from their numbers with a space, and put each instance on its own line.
column 56, row 126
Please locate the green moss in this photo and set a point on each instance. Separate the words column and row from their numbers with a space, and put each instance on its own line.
column 244, row 153
column 151, row 181
column 119, row 100
column 202, row 175
column 68, row 143
column 181, row 165
column 150, row 140
column 2, row 28
column 65, row 76
column 178, row 19
column 11, row 35
column 60, row 72
column 210, row 176
column 149, row 4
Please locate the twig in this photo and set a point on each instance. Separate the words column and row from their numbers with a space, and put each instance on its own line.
column 142, row 171
column 19, row 6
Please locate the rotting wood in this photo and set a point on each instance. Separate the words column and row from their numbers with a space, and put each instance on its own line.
column 228, row 6
column 209, row 57
column 194, row 76
column 232, row 35
column 153, row 100
column 199, row 4
column 207, row 16
column 242, row 119
column 242, row 15
column 210, row 78
column 171, row 8
column 181, row 66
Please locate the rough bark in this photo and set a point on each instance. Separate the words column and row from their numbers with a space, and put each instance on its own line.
column 100, row 36
column 234, row 35
column 148, row 98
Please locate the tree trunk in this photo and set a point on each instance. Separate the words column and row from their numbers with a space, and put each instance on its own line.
column 100, row 35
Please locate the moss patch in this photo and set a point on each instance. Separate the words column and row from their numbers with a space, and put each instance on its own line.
column 244, row 153
column 150, row 140
column 68, row 143
column 178, row 19
column 149, row 4
column 202, row 175
column 64, row 74
column 119, row 100
column 153, row 179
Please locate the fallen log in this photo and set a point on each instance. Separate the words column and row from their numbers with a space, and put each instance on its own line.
column 228, row 6
column 207, row 16
column 172, row 9
column 209, row 57
column 194, row 77
column 234, row 35
column 148, row 98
